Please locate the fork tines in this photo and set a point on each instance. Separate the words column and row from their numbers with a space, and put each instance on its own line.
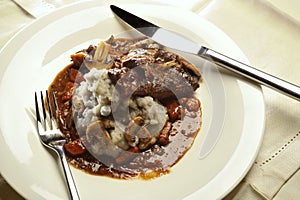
column 42, row 119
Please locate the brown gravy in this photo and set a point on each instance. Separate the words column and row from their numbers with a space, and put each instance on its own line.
column 147, row 164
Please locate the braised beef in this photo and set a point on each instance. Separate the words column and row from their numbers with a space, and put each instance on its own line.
column 142, row 73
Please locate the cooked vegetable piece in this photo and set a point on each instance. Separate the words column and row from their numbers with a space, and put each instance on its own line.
column 75, row 147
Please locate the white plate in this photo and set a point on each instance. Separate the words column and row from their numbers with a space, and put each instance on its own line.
column 232, row 109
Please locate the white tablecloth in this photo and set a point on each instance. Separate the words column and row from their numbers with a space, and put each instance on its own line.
column 268, row 32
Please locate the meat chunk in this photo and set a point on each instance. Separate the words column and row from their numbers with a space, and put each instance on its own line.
column 154, row 73
column 164, row 134
column 75, row 147
column 174, row 110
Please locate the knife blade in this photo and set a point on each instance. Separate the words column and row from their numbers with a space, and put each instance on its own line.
column 176, row 41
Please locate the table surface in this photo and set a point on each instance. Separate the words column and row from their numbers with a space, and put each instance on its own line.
column 268, row 33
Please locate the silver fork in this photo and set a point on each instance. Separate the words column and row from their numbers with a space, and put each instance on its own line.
column 51, row 136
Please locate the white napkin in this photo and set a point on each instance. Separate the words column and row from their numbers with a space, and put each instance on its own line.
column 38, row 8
column 268, row 36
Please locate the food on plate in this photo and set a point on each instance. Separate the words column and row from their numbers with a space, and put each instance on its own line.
column 127, row 108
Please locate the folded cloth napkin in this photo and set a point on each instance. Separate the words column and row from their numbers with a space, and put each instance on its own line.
column 270, row 47
column 271, row 173
column 267, row 37
column 38, row 8
column 11, row 21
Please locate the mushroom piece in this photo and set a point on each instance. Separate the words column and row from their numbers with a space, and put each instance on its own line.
column 189, row 66
column 100, row 59
column 130, row 133
column 77, row 105
column 138, row 135
column 146, row 140
column 99, row 141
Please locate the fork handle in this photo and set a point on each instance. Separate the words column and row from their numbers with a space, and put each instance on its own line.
column 247, row 71
column 69, row 178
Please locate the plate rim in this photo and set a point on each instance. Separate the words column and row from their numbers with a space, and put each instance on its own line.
column 24, row 30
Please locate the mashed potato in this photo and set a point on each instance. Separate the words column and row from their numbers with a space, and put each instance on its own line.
column 97, row 94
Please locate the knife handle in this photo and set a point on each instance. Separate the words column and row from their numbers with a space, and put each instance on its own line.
column 249, row 72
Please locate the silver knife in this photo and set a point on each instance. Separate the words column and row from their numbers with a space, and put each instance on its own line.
column 181, row 43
